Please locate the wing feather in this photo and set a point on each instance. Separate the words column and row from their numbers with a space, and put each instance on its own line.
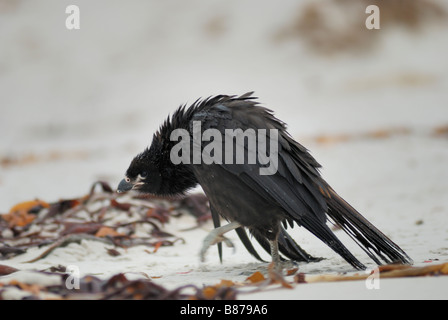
column 296, row 187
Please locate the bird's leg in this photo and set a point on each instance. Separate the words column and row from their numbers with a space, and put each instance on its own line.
column 274, row 252
column 275, row 268
column 216, row 236
column 273, row 244
column 277, row 264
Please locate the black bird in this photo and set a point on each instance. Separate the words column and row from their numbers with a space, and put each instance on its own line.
column 265, row 204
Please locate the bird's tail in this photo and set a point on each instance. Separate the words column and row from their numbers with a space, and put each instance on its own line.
column 376, row 244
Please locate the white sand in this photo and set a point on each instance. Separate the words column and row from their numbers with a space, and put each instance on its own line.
column 83, row 103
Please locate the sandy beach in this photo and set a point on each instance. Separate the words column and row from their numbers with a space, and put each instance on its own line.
column 78, row 105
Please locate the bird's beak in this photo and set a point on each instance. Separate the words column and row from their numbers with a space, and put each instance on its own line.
column 124, row 186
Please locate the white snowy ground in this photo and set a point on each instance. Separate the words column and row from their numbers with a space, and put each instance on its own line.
column 76, row 106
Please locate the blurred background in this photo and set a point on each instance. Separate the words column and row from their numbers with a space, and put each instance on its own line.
column 371, row 105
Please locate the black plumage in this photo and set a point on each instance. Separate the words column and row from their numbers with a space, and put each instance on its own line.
column 263, row 204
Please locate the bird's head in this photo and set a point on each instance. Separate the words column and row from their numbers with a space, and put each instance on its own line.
column 142, row 175
column 153, row 172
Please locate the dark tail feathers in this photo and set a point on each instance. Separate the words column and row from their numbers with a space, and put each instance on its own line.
column 375, row 244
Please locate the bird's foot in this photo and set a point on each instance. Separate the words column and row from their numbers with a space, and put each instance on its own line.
column 277, row 264
column 275, row 273
column 289, row 265
column 211, row 239
column 217, row 236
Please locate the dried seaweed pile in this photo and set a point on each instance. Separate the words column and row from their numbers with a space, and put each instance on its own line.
column 100, row 216
column 117, row 287
column 121, row 221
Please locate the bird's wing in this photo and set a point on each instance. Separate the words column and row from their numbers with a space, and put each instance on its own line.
column 296, row 185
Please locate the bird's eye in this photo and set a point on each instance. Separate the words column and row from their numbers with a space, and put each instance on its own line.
column 143, row 174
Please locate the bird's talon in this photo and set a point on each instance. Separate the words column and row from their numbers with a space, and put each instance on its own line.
column 228, row 242
column 217, row 236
